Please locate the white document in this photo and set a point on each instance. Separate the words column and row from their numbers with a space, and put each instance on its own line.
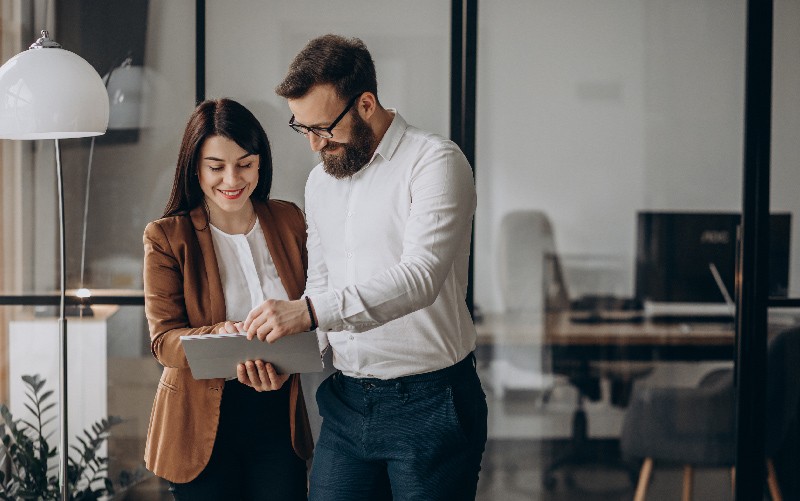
column 216, row 355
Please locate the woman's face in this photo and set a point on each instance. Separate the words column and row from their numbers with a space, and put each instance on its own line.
column 228, row 174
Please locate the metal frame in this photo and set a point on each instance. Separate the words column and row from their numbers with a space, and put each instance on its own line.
column 753, row 263
column 200, row 51
column 463, row 75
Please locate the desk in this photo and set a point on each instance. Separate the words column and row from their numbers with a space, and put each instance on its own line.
column 580, row 351
column 611, row 341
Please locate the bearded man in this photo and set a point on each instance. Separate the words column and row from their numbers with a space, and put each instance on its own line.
column 389, row 212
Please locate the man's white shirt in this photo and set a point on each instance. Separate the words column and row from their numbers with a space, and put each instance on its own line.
column 388, row 253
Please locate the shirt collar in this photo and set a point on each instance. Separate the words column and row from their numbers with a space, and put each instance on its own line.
column 391, row 139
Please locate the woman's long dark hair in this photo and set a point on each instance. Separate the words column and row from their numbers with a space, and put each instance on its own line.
column 217, row 117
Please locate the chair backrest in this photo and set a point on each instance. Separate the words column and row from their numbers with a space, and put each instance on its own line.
column 783, row 387
column 526, row 262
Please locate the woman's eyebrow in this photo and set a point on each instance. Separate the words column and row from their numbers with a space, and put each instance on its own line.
column 215, row 159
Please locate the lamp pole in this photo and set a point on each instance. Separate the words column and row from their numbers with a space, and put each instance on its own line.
column 63, row 458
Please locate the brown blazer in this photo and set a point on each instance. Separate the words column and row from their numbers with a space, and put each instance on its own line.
column 183, row 296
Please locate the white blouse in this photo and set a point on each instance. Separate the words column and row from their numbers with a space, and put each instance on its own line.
column 246, row 270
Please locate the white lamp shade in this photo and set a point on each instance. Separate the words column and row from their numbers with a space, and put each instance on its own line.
column 51, row 93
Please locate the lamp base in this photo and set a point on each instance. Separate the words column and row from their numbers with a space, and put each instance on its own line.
column 71, row 310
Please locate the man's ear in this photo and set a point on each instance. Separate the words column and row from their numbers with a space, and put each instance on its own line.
column 367, row 104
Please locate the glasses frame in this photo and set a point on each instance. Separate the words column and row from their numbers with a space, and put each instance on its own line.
column 323, row 132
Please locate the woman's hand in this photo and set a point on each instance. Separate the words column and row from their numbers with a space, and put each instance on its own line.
column 260, row 376
column 230, row 327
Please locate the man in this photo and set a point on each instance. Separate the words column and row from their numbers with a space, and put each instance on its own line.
column 389, row 213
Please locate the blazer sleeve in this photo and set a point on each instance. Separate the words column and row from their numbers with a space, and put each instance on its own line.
column 164, row 301
column 301, row 236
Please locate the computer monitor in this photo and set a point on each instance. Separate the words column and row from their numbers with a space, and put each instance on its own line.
column 677, row 253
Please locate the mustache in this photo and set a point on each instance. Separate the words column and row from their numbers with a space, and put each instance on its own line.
column 331, row 145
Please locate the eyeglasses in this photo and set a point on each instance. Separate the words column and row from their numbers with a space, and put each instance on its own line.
column 323, row 132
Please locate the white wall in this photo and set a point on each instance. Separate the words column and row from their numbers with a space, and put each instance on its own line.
column 592, row 111
column 250, row 43
column 130, row 182
column 560, row 124
column 785, row 151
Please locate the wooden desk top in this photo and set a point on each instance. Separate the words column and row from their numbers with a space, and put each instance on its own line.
column 558, row 330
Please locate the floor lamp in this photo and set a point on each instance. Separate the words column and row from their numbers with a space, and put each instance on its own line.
column 47, row 92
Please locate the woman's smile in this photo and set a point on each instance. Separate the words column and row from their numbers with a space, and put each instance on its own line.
column 231, row 194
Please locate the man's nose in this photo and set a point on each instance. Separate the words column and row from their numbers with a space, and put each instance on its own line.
column 316, row 142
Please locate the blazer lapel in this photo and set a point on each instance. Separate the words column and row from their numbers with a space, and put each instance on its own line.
column 216, row 295
column 277, row 250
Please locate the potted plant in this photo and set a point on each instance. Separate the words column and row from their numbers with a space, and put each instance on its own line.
column 26, row 467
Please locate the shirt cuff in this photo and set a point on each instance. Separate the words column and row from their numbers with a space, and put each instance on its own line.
column 327, row 311
column 322, row 341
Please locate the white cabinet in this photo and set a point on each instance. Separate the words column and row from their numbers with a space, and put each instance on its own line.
column 33, row 349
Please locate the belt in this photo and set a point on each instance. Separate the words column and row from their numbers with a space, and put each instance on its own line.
column 455, row 372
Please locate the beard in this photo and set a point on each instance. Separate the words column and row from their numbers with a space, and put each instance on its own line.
column 354, row 155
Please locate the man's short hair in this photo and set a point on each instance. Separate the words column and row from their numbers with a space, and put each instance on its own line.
column 342, row 62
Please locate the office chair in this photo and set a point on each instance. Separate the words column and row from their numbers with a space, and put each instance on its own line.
column 585, row 375
column 695, row 426
column 526, row 238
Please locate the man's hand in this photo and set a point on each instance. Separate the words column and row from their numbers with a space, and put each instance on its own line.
column 260, row 376
column 273, row 319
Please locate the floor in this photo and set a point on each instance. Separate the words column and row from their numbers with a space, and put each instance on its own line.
column 525, row 436
column 514, row 462
column 516, row 469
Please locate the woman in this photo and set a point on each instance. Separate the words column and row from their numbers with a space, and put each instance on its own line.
column 222, row 248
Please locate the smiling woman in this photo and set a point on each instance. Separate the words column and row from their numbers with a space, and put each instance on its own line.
column 221, row 249
column 223, row 135
column 228, row 175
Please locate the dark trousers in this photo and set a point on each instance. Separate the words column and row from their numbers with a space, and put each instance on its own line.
column 418, row 437
column 253, row 457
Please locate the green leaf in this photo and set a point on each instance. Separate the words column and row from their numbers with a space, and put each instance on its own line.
column 83, row 443
column 44, row 396
column 27, row 424
column 31, row 409
column 32, row 400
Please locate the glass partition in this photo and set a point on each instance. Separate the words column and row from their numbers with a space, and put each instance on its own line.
column 782, row 438
column 114, row 185
column 601, row 126
column 409, row 42
column 590, row 115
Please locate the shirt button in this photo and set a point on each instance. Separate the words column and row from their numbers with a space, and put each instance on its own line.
column 350, row 214
column 352, row 337
column 349, row 255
